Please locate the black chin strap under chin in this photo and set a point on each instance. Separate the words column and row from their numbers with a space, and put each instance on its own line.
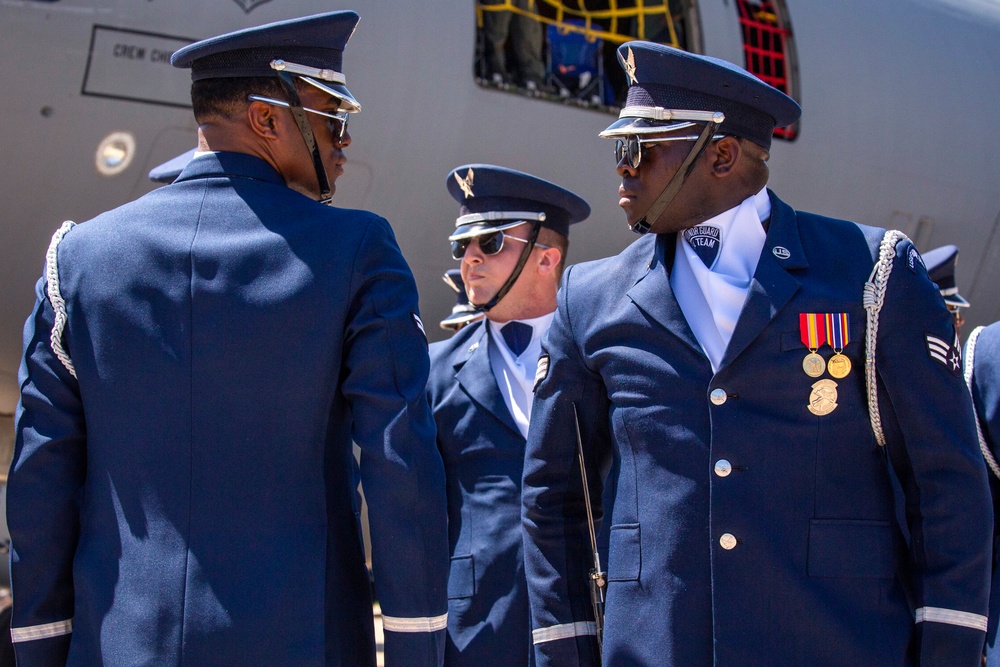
column 305, row 129
column 673, row 187
column 521, row 261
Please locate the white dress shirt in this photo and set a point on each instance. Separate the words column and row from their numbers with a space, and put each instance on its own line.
column 712, row 299
column 516, row 375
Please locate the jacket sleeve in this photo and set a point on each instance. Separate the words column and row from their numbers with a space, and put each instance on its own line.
column 556, row 543
column 985, row 387
column 932, row 445
column 43, row 487
column 385, row 375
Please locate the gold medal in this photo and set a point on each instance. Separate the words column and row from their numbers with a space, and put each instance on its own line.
column 813, row 365
column 839, row 366
column 823, row 399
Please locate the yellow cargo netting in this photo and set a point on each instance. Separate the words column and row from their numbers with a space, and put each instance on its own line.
column 638, row 9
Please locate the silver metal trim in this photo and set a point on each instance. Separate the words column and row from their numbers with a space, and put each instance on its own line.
column 490, row 216
column 660, row 113
column 479, row 230
column 350, row 104
column 415, row 624
column 964, row 619
column 304, row 70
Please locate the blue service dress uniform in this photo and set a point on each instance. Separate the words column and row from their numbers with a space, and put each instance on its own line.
column 746, row 530
column 188, row 497
column 985, row 386
column 483, row 453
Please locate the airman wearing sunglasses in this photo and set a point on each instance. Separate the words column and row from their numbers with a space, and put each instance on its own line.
column 196, row 367
column 759, row 465
column 511, row 238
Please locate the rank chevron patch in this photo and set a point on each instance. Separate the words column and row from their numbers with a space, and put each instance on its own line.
column 947, row 354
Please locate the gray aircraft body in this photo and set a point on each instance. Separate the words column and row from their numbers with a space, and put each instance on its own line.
column 899, row 99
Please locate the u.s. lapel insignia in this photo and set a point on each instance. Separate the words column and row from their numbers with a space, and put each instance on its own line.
column 630, row 67
column 823, row 399
column 948, row 355
column 541, row 371
column 466, row 183
column 781, row 252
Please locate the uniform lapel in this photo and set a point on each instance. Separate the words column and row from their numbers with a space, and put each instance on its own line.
column 653, row 295
column 772, row 286
column 475, row 375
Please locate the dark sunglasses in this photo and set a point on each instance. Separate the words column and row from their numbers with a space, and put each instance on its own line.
column 489, row 244
column 630, row 147
column 336, row 121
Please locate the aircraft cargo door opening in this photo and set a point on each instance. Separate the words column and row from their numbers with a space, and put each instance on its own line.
column 564, row 50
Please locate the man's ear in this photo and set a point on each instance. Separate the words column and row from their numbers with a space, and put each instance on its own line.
column 263, row 120
column 725, row 156
column 551, row 257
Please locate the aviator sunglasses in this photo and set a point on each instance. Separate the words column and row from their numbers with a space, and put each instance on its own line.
column 489, row 244
column 337, row 119
column 630, row 147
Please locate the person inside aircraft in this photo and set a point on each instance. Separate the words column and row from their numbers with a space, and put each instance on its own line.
column 196, row 365
column 520, row 33
column 511, row 238
column 720, row 360
column 463, row 312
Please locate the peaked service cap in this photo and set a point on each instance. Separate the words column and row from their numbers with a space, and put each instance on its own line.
column 664, row 82
column 493, row 198
column 311, row 47
column 941, row 263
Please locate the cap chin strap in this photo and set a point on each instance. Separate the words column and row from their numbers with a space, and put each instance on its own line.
column 515, row 274
column 643, row 225
column 305, row 129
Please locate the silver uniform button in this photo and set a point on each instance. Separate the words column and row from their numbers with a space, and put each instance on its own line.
column 723, row 468
column 718, row 396
column 728, row 541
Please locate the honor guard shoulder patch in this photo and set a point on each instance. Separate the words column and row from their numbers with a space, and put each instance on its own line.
column 541, row 371
column 913, row 259
column 947, row 354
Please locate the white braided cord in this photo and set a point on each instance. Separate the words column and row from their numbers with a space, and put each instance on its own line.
column 970, row 355
column 55, row 296
column 872, row 299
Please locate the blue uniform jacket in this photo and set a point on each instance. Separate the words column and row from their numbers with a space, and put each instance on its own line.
column 189, row 498
column 985, row 386
column 483, row 454
column 818, row 571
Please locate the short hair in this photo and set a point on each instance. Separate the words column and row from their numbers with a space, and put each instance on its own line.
column 227, row 97
column 553, row 238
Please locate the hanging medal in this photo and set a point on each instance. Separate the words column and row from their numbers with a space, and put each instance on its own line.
column 837, row 328
column 812, row 330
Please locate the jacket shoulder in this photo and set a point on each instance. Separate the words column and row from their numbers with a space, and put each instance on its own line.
column 615, row 275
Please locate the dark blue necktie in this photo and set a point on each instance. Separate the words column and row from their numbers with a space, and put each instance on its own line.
column 517, row 335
